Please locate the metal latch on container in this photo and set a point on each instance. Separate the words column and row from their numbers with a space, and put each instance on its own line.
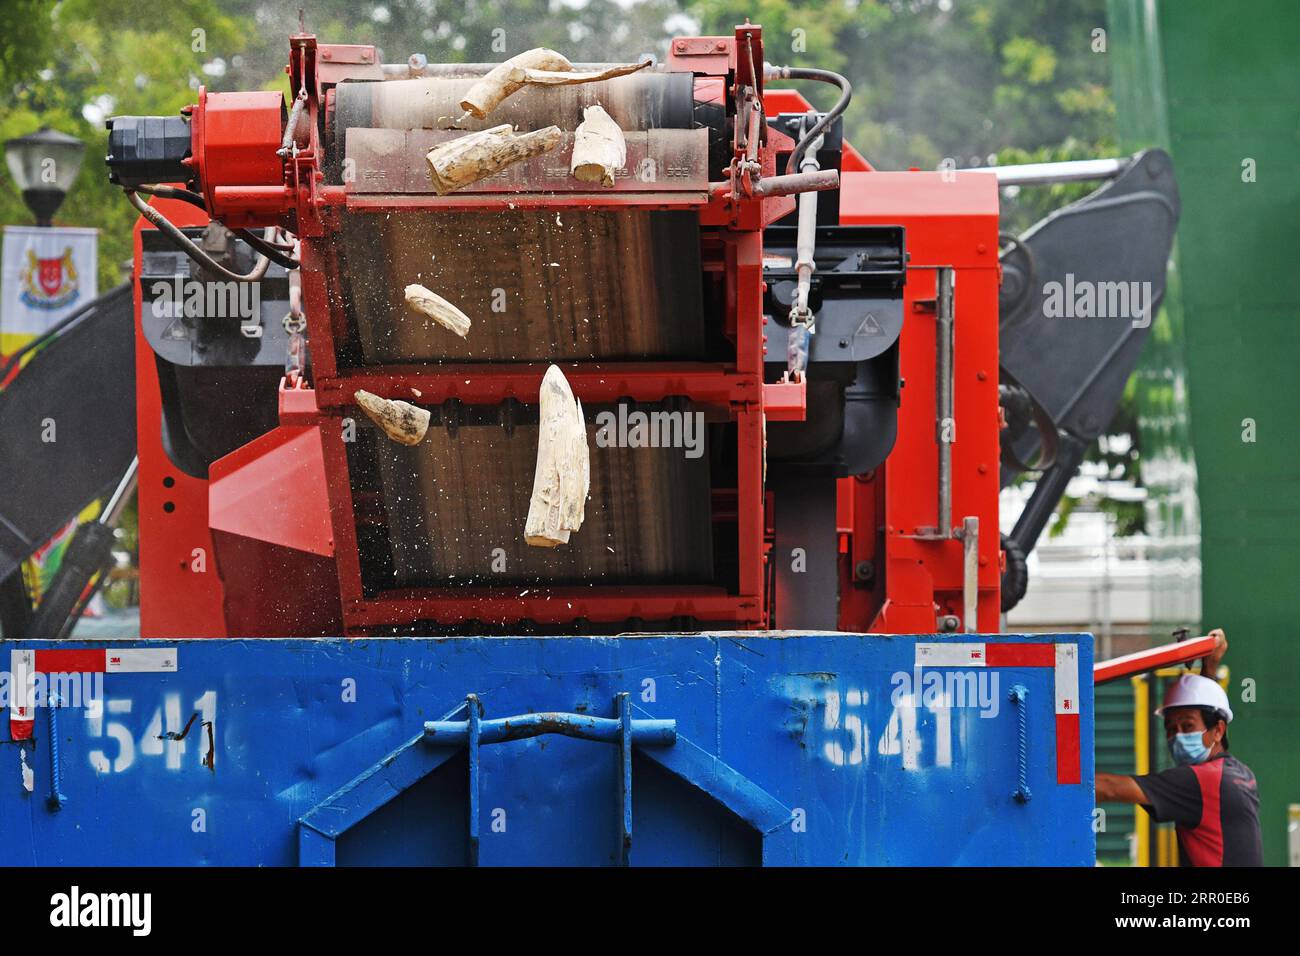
column 621, row 730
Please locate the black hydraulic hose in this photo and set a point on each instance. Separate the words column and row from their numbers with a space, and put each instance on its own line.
column 174, row 192
column 187, row 246
column 824, row 76
column 1015, row 579
column 1016, row 243
column 272, row 251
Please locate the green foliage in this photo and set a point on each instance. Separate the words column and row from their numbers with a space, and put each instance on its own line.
column 795, row 32
column 449, row 32
column 64, row 64
column 26, row 42
column 966, row 79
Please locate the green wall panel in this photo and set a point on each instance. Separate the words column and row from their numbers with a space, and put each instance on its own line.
column 1230, row 79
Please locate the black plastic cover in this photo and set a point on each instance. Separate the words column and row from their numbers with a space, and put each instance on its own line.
column 143, row 150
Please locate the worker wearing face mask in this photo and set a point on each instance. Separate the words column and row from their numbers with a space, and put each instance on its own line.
column 1210, row 795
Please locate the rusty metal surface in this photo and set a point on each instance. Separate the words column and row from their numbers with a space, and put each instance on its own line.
column 499, row 201
column 659, row 160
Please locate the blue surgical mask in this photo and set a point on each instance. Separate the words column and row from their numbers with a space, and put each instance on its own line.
column 1188, row 749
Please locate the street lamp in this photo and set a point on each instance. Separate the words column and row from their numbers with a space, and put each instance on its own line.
column 44, row 164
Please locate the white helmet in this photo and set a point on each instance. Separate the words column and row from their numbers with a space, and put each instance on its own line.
column 1193, row 690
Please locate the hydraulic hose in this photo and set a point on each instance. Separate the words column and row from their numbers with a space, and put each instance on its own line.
column 824, row 76
column 188, row 247
column 273, row 251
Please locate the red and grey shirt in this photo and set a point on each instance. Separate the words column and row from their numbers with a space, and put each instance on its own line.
column 1215, row 806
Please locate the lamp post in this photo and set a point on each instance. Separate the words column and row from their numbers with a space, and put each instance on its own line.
column 44, row 164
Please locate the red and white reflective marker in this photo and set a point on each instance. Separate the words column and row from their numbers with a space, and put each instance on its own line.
column 24, row 665
column 1064, row 661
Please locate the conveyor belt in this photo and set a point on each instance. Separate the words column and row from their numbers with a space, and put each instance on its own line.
column 438, row 512
column 538, row 285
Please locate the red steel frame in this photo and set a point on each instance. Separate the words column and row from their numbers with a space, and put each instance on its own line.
column 950, row 220
column 738, row 386
column 1153, row 658
column 176, row 598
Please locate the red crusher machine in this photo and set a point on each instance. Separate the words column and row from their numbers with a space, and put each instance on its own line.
column 807, row 348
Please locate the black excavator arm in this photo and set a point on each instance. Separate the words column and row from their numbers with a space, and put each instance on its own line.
column 1080, row 291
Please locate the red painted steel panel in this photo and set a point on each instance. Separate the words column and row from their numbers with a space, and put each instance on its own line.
column 177, row 599
column 1068, row 755
column 70, row 660
column 1020, row 655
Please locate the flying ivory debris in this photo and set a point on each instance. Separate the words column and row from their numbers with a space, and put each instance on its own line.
column 437, row 308
column 401, row 421
column 563, row 477
column 538, row 66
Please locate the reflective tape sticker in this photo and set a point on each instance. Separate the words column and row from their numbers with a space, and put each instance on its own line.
column 965, row 654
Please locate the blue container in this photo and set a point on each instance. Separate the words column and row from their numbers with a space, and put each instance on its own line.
column 727, row 749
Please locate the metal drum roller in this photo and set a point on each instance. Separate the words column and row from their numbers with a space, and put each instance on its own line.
column 542, row 285
column 639, row 101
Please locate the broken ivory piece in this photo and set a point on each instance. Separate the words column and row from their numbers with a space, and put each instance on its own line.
column 599, row 149
column 467, row 159
column 401, row 421
column 563, row 477
column 538, row 66
column 437, row 308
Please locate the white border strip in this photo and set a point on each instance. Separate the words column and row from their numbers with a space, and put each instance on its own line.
column 965, row 654
column 1067, row 678
column 22, row 688
column 140, row 660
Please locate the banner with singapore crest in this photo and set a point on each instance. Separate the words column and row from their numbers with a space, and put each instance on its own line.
column 48, row 274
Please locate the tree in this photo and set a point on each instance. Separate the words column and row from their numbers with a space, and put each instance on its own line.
column 70, row 65
column 958, row 79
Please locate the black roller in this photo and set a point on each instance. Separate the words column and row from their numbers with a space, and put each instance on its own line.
column 640, row 101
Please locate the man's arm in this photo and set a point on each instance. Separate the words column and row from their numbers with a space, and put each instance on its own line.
column 1119, row 788
column 1210, row 662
